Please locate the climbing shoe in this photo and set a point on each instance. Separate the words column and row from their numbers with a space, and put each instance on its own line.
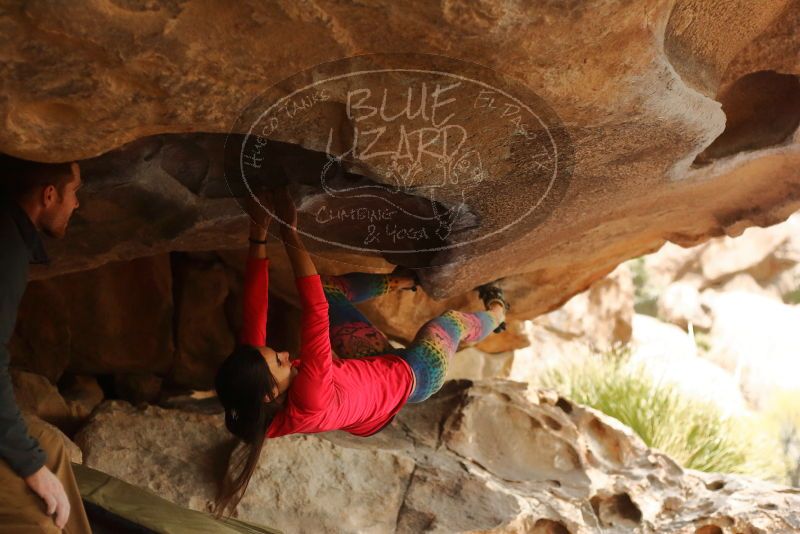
column 490, row 293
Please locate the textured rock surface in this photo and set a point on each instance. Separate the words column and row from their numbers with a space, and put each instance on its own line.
column 681, row 304
column 669, row 355
column 202, row 333
column 768, row 257
column 175, row 317
column 474, row 364
column 753, row 337
column 642, row 99
column 137, row 388
column 597, row 319
column 601, row 315
column 475, row 457
column 740, row 297
column 35, row 394
column 82, row 393
column 117, row 318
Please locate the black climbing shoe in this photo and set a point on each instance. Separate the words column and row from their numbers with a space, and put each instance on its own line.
column 489, row 293
column 406, row 272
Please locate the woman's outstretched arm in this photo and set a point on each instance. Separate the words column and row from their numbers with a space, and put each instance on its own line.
column 302, row 264
column 258, row 238
column 301, row 261
column 256, row 280
column 312, row 388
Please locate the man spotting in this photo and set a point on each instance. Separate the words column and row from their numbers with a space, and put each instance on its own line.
column 38, row 492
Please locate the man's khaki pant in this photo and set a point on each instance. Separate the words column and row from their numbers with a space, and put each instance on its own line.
column 24, row 512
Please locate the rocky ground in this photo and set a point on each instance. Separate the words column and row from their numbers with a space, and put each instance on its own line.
column 478, row 457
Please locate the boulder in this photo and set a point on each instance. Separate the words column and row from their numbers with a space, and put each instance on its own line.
column 669, row 264
column 664, row 134
column 82, row 394
column 36, row 395
column 548, row 349
column 601, row 315
column 753, row 338
column 744, row 282
column 477, row 456
column 763, row 252
column 760, row 260
column 681, row 305
column 596, row 320
column 653, row 123
column 41, row 339
column 670, row 356
column 474, row 364
column 725, row 256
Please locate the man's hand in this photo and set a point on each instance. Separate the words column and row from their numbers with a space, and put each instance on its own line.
column 45, row 484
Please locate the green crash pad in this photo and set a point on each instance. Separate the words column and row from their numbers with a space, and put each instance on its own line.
column 146, row 509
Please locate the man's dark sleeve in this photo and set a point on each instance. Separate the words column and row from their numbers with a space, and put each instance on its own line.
column 17, row 447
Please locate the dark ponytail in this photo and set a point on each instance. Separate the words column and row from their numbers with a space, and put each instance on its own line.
column 242, row 382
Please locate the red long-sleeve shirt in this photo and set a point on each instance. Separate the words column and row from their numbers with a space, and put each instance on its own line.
column 359, row 396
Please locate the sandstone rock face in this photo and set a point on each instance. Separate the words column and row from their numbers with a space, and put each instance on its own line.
column 597, row 319
column 477, row 456
column 761, row 260
column 117, row 318
column 203, row 334
column 675, row 122
column 601, row 315
column 671, row 135
column 681, row 304
column 475, row 364
column 176, row 317
column 548, row 349
column 753, row 337
column 738, row 296
column 35, row 394
column 82, row 393
column 138, row 388
column 670, row 356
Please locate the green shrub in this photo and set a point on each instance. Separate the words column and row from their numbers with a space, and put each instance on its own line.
column 693, row 433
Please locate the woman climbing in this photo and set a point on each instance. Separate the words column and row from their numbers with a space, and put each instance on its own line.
column 266, row 395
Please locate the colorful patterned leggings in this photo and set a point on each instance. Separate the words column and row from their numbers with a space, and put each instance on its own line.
column 353, row 336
